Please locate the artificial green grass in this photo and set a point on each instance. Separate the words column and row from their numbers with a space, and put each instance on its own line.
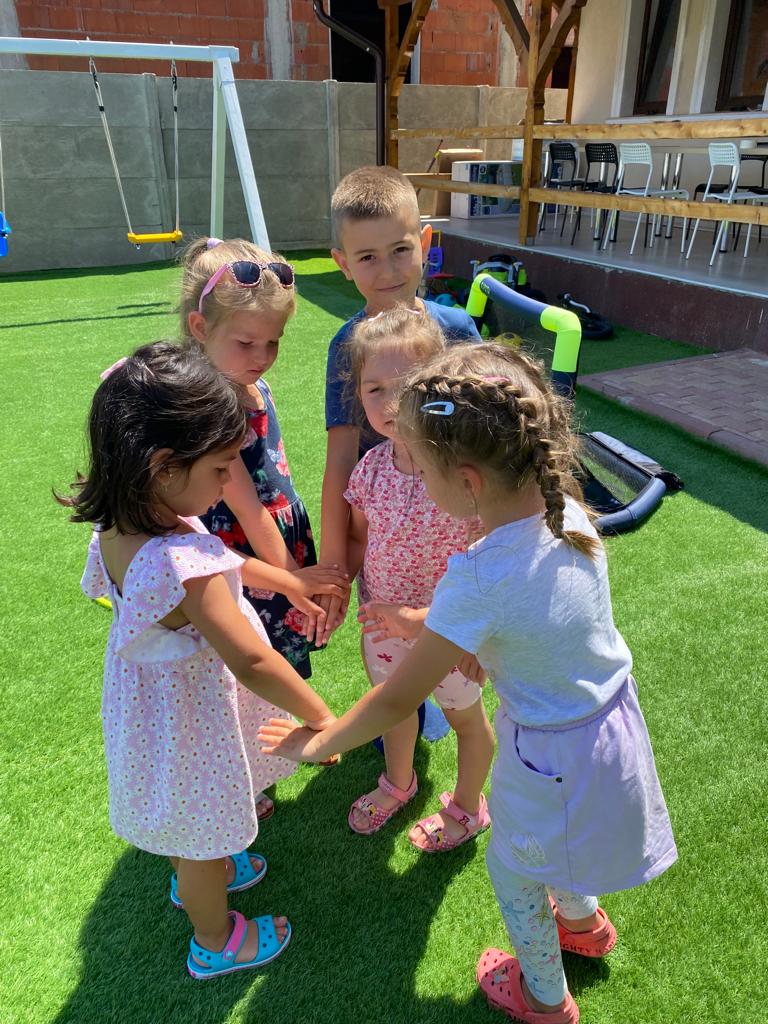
column 381, row 933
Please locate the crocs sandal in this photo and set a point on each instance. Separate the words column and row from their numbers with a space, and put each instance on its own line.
column 267, row 814
column 598, row 942
column 379, row 815
column 501, row 982
column 223, row 962
column 245, row 876
column 438, row 841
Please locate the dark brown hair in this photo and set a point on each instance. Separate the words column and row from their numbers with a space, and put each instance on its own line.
column 162, row 396
column 505, row 418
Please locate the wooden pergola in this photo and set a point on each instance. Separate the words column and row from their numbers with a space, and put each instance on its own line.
column 539, row 48
column 539, row 44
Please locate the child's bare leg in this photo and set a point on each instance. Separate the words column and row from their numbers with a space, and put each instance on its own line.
column 399, row 745
column 256, row 861
column 203, row 891
column 475, row 743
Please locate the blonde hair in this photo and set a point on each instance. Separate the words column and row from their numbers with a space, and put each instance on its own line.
column 200, row 263
column 400, row 329
column 505, row 418
column 372, row 192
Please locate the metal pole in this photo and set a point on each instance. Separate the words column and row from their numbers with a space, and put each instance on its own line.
column 364, row 44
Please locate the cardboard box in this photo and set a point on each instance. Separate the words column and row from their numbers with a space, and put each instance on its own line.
column 445, row 162
column 490, row 172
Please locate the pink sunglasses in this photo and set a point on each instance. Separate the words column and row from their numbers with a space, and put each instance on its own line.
column 248, row 275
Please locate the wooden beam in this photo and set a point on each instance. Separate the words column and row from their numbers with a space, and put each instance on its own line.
column 405, row 51
column 513, row 22
column 556, row 36
column 391, row 46
column 572, row 71
column 383, row 4
column 439, row 183
column 727, row 128
column 514, row 131
column 734, row 213
column 534, row 115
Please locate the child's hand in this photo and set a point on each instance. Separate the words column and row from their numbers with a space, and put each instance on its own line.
column 472, row 669
column 322, row 584
column 390, row 620
column 317, row 725
column 284, row 738
column 335, row 613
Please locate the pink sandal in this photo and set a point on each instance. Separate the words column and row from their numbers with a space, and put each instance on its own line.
column 598, row 942
column 501, row 982
column 438, row 841
column 379, row 815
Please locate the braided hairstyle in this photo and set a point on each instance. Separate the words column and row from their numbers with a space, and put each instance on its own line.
column 506, row 418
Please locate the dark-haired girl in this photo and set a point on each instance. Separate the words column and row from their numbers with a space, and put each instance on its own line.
column 189, row 672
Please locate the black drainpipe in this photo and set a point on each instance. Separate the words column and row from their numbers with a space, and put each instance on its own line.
column 365, row 44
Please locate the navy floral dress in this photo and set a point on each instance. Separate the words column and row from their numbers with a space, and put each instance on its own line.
column 264, row 458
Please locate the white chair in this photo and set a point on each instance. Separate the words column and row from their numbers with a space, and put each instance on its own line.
column 725, row 154
column 638, row 154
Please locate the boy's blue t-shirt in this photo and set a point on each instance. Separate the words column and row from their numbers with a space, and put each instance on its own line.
column 456, row 324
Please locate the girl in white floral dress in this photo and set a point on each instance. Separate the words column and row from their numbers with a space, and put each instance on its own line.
column 189, row 673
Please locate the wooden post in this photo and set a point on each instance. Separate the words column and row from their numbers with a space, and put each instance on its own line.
column 572, row 70
column 534, row 115
column 391, row 47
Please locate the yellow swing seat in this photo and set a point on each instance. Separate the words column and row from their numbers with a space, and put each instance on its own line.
column 162, row 236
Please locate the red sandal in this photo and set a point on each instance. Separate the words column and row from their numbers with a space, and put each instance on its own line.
column 438, row 841
column 377, row 814
column 501, row 982
column 598, row 942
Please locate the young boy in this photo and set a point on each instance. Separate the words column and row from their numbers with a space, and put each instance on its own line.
column 381, row 246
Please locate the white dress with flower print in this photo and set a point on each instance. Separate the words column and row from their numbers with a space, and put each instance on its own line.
column 180, row 731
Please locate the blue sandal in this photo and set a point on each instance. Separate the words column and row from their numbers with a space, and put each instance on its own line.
column 245, row 876
column 223, row 962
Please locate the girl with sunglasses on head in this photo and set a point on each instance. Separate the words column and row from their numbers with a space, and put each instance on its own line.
column 189, row 673
column 575, row 800
column 235, row 302
column 399, row 544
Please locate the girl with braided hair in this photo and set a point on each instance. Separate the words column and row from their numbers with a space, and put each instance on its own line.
column 576, row 804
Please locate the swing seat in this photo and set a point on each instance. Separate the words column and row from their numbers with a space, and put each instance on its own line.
column 163, row 236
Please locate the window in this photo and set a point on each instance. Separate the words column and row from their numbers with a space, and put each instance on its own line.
column 657, row 51
column 744, row 73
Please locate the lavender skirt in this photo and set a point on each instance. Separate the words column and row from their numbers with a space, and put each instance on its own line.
column 580, row 808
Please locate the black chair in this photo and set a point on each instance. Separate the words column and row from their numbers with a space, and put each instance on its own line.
column 602, row 155
column 562, row 155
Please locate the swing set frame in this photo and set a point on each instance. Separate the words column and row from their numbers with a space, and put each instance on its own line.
column 226, row 113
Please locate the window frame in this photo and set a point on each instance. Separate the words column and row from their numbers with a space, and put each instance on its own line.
column 645, row 107
column 725, row 99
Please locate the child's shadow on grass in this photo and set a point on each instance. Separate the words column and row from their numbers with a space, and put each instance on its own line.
column 361, row 925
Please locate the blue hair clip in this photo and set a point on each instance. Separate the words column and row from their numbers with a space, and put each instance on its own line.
column 442, row 408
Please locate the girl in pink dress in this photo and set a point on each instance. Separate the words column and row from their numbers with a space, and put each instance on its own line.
column 400, row 542
column 189, row 673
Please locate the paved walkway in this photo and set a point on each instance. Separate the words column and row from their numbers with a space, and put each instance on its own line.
column 721, row 397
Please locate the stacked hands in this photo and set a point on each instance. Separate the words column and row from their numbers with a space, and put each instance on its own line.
column 284, row 738
column 321, row 594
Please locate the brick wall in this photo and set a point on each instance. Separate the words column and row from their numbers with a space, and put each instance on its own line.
column 459, row 41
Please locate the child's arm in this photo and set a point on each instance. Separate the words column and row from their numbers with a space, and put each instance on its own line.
column 357, row 541
column 300, row 586
column 259, row 527
column 342, row 452
column 210, row 607
column 382, row 707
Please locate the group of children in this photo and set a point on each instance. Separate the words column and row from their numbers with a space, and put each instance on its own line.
column 449, row 496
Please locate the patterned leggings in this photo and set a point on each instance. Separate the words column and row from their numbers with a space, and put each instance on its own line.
column 531, row 926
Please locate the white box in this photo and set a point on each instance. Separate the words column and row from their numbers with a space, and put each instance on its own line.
column 491, row 172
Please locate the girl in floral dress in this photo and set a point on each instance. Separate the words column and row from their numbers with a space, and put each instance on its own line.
column 401, row 541
column 236, row 301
